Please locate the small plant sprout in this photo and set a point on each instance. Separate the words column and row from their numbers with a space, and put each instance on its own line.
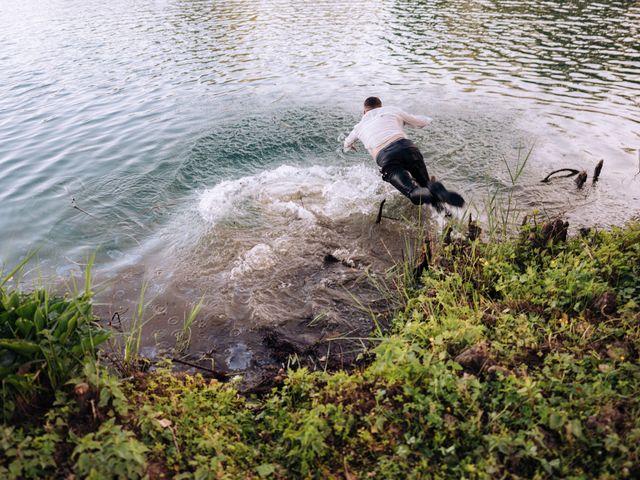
column 183, row 339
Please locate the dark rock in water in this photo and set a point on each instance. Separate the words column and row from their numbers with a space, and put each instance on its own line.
column 581, row 179
column 606, row 304
column 596, row 171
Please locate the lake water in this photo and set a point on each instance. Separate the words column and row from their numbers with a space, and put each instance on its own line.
column 197, row 144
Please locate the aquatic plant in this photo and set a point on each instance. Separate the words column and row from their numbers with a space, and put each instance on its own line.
column 500, row 211
column 184, row 335
column 130, row 359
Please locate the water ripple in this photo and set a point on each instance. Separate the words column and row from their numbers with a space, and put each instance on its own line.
column 129, row 107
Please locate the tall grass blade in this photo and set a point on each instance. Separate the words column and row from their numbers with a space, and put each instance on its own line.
column 17, row 268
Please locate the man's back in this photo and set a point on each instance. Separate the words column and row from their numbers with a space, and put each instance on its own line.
column 381, row 125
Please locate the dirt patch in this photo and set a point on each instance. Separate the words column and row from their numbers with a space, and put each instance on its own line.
column 605, row 305
column 476, row 359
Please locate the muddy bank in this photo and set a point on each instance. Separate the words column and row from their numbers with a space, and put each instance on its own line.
column 303, row 294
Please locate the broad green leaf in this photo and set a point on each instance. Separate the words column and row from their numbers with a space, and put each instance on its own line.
column 23, row 347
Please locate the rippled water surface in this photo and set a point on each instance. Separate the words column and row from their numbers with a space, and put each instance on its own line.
column 198, row 143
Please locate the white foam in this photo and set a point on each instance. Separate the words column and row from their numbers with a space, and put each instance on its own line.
column 280, row 208
column 345, row 256
column 223, row 199
column 296, row 193
column 294, row 211
column 260, row 257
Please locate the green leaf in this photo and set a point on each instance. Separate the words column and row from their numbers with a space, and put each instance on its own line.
column 575, row 428
column 27, row 310
column 11, row 302
column 23, row 347
column 265, row 469
column 38, row 319
column 555, row 421
column 24, row 327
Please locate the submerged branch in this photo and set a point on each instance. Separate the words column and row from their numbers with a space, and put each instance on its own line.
column 571, row 173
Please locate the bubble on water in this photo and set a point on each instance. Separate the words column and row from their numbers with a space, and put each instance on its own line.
column 160, row 309
column 238, row 357
column 172, row 321
column 345, row 256
column 293, row 211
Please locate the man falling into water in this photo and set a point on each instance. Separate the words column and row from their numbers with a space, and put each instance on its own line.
column 401, row 163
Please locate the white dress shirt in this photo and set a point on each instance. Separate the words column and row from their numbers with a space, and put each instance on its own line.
column 381, row 126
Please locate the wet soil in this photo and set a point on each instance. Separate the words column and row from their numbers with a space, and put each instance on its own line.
column 311, row 303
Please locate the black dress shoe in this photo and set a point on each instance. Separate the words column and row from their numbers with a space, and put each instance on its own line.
column 446, row 196
column 422, row 196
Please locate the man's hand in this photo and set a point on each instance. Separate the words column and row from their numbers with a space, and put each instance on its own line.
column 351, row 147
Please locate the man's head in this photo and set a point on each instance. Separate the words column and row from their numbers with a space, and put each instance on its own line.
column 371, row 103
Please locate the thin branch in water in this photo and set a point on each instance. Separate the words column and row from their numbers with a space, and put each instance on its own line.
column 379, row 219
column 216, row 374
column 75, row 205
column 113, row 317
column 571, row 173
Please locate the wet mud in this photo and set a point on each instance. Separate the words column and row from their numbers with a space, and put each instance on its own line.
column 271, row 294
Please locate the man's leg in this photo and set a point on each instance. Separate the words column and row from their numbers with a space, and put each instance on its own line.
column 417, row 168
column 406, row 184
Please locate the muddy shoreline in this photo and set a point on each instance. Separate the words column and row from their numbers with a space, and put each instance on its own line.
column 313, row 305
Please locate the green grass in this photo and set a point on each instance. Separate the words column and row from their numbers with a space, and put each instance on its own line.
column 183, row 339
column 510, row 360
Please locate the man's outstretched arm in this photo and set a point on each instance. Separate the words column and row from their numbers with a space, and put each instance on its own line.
column 350, row 140
column 417, row 121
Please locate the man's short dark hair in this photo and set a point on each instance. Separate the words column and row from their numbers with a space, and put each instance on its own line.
column 372, row 102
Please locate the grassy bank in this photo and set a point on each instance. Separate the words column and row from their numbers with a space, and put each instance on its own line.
column 511, row 360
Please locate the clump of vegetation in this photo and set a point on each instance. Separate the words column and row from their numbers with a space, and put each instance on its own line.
column 511, row 360
column 44, row 341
